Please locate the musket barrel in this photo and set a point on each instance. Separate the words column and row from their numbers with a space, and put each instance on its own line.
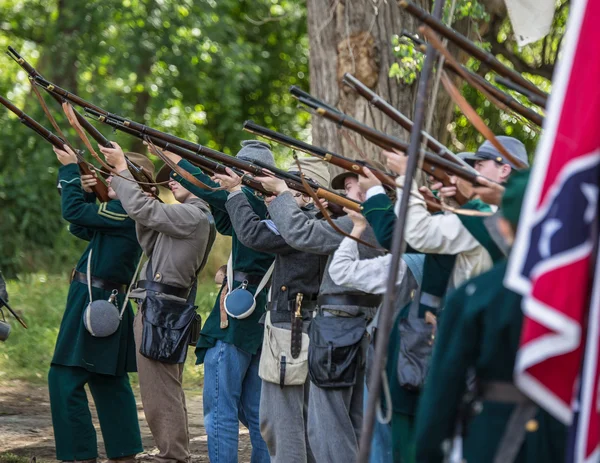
column 535, row 99
column 470, row 47
column 33, row 124
column 351, row 165
column 400, row 118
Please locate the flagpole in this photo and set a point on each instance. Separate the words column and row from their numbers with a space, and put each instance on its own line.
column 385, row 323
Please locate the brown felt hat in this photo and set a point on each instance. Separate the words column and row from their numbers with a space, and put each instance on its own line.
column 143, row 161
column 314, row 168
column 337, row 182
column 164, row 174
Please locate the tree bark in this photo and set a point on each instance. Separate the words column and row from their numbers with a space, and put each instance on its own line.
column 355, row 36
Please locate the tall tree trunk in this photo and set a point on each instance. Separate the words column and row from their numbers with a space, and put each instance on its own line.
column 355, row 36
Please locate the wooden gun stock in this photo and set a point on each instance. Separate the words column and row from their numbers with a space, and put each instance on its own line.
column 339, row 200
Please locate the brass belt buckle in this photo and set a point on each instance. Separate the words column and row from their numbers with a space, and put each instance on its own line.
column 299, row 298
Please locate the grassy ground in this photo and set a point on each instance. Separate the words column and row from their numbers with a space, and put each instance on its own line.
column 40, row 300
column 12, row 458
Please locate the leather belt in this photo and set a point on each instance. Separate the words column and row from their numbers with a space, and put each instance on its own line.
column 253, row 280
column 360, row 300
column 308, row 305
column 501, row 391
column 98, row 282
column 163, row 288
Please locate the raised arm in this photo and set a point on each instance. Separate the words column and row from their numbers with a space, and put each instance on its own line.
column 216, row 199
column 302, row 232
column 437, row 233
column 176, row 220
column 250, row 229
column 78, row 211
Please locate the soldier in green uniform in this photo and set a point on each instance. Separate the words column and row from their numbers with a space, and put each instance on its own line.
column 479, row 332
column 230, row 347
column 80, row 358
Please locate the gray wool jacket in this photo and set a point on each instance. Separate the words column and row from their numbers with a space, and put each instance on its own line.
column 174, row 235
column 312, row 235
column 294, row 272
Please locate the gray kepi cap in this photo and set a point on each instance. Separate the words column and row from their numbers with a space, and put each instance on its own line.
column 487, row 151
column 254, row 150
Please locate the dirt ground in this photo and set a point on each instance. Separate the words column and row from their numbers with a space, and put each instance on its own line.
column 26, row 425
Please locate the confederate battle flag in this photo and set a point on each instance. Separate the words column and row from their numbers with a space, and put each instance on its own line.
column 554, row 263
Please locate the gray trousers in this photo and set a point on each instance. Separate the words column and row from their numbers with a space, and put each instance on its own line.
column 164, row 403
column 335, row 420
column 283, row 422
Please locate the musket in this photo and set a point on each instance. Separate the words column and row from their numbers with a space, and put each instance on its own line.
column 100, row 189
column 535, row 99
column 137, row 172
column 433, row 164
column 216, row 161
column 470, row 47
column 345, row 163
column 501, row 96
column 401, row 119
column 3, row 303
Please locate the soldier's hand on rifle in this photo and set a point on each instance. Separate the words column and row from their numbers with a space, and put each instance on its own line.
column 359, row 221
column 230, row 181
column 369, row 181
column 89, row 181
column 152, row 194
column 115, row 157
column 396, row 162
column 444, row 191
column 427, row 193
column 66, row 156
column 273, row 184
column 490, row 192
column 172, row 156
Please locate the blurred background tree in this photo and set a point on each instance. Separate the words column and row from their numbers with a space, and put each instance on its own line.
column 199, row 68
column 195, row 68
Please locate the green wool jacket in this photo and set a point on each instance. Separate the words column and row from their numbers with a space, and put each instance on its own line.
column 111, row 236
column 246, row 334
column 480, row 330
column 379, row 212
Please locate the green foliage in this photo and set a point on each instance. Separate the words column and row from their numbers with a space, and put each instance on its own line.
column 40, row 300
column 196, row 69
column 410, row 61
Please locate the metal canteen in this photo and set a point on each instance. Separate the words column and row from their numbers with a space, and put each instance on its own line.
column 4, row 330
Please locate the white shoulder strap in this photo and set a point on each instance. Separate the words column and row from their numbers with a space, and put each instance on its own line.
column 89, row 274
column 229, row 273
column 135, row 274
column 263, row 281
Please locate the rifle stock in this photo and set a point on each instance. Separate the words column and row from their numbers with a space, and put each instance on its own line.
column 100, row 189
column 433, row 164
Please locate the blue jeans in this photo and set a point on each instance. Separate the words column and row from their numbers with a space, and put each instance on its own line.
column 231, row 394
column 381, row 443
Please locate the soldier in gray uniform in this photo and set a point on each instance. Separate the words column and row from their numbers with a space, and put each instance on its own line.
column 336, row 357
column 294, row 289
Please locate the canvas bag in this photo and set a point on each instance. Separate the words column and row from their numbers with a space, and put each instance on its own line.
column 276, row 362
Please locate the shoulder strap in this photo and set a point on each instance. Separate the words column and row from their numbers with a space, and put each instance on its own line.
column 89, row 274
column 212, row 233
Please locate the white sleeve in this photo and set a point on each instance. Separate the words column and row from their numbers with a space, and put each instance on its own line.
column 367, row 275
column 434, row 234
column 374, row 190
